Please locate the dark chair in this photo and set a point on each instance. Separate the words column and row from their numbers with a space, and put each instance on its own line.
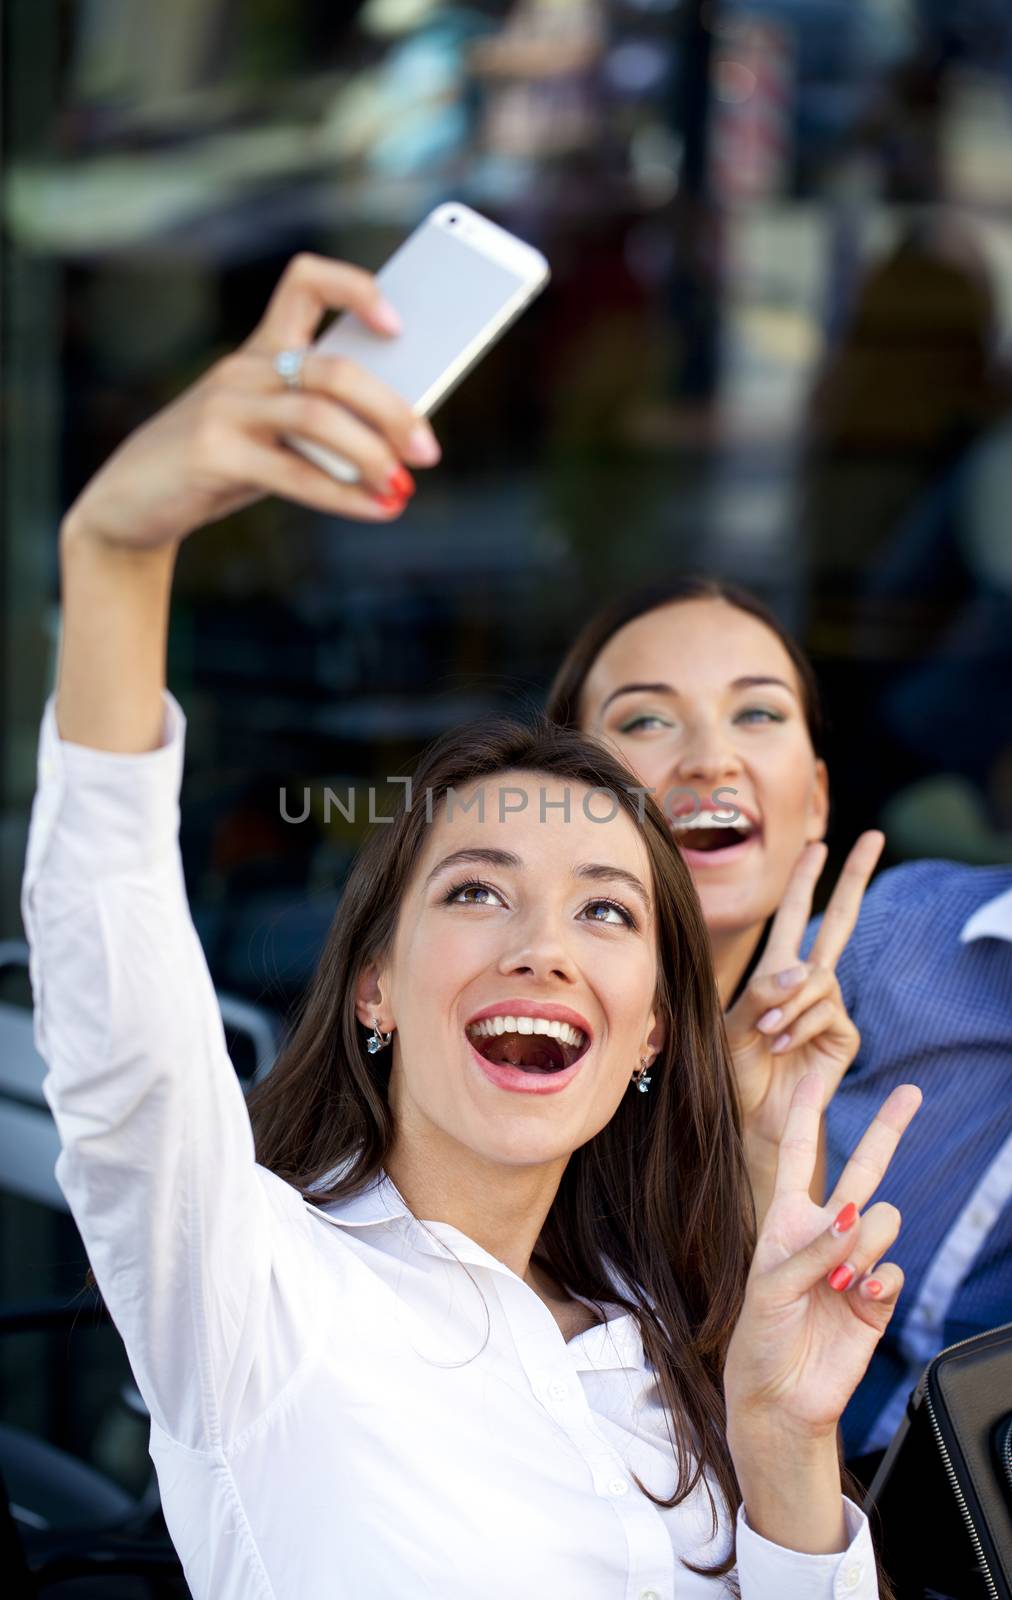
column 65, row 1528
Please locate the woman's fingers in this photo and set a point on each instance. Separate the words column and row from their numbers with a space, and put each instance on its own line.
column 826, row 1020
column 867, row 1243
column 881, row 1288
column 315, row 417
column 275, row 470
column 379, row 405
column 799, row 1142
column 764, row 994
column 781, row 1006
column 868, row 1164
column 790, row 922
column 349, row 389
column 839, row 1255
column 310, row 286
column 841, row 913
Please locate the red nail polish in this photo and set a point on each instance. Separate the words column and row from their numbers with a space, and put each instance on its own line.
column 846, row 1219
column 401, row 483
column 389, row 502
column 841, row 1277
column 873, row 1287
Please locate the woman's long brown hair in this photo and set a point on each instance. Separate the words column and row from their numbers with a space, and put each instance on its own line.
column 655, row 1212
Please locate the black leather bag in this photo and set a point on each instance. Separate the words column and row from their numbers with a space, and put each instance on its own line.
column 941, row 1501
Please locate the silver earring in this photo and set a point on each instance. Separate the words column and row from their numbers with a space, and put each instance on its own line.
column 641, row 1078
column 376, row 1040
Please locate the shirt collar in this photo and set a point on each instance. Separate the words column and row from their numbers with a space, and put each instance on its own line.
column 993, row 920
column 608, row 1345
column 380, row 1201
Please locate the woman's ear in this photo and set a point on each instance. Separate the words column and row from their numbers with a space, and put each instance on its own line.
column 818, row 804
column 655, row 1038
column 369, row 996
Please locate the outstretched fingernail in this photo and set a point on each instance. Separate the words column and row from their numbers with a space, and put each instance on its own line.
column 873, row 1287
column 846, row 1218
column 389, row 502
column 769, row 1019
column 384, row 314
column 423, row 447
column 400, row 483
column 791, row 978
column 841, row 1277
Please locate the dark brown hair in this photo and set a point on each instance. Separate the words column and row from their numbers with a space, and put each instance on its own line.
column 567, row 687
column 655, row 1212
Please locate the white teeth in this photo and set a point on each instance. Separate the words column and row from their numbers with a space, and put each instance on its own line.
column 555, row 1030
column 709, row 819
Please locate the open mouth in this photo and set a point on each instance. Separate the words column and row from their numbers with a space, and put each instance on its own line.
column 534, row 1044
column 710, row 836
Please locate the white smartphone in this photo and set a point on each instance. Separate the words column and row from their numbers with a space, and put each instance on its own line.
column 457, row 282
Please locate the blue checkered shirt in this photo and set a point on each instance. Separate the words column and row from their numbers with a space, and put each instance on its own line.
column 927, row 978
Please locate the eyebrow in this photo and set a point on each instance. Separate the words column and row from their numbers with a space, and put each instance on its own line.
column 600, row 873
column 597, row 871
column 752, row 681
column 477, row 856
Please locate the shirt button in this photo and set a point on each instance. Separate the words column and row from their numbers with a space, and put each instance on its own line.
column 557, row 1390
column 852, row 1577
column 650, row 1594
column 618, row 1486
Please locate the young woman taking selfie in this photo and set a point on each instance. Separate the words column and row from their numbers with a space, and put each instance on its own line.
column 475, row 1302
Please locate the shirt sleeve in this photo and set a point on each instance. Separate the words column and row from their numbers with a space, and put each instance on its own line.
column 769, row 1572
column 196, row 1249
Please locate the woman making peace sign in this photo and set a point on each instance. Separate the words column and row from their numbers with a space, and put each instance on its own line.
column 706, row 698
column 457, row 1313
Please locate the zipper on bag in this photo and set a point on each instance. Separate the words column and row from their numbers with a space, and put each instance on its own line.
column 960, row 1498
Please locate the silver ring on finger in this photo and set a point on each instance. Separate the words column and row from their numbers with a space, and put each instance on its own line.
column 288, row 365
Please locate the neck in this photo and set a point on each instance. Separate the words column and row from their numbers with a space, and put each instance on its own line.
column 501, row 1208
column 732, row 950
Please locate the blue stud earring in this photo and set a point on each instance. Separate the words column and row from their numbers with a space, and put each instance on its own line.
column 642, row 1078
column 376, row 1040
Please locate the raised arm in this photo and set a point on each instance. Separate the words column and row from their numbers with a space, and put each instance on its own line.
column 197, row 1251
column 215, row 449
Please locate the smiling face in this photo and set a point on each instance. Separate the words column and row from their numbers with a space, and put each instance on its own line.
column 696, row 697
column 517, row 921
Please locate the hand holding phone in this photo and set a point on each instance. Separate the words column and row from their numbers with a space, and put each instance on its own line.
column 458, row 282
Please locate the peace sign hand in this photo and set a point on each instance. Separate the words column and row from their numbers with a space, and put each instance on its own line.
column 816, row 1303
column 791, row 1019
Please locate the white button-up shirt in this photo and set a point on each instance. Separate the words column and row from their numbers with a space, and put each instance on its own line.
column 345, row 1401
